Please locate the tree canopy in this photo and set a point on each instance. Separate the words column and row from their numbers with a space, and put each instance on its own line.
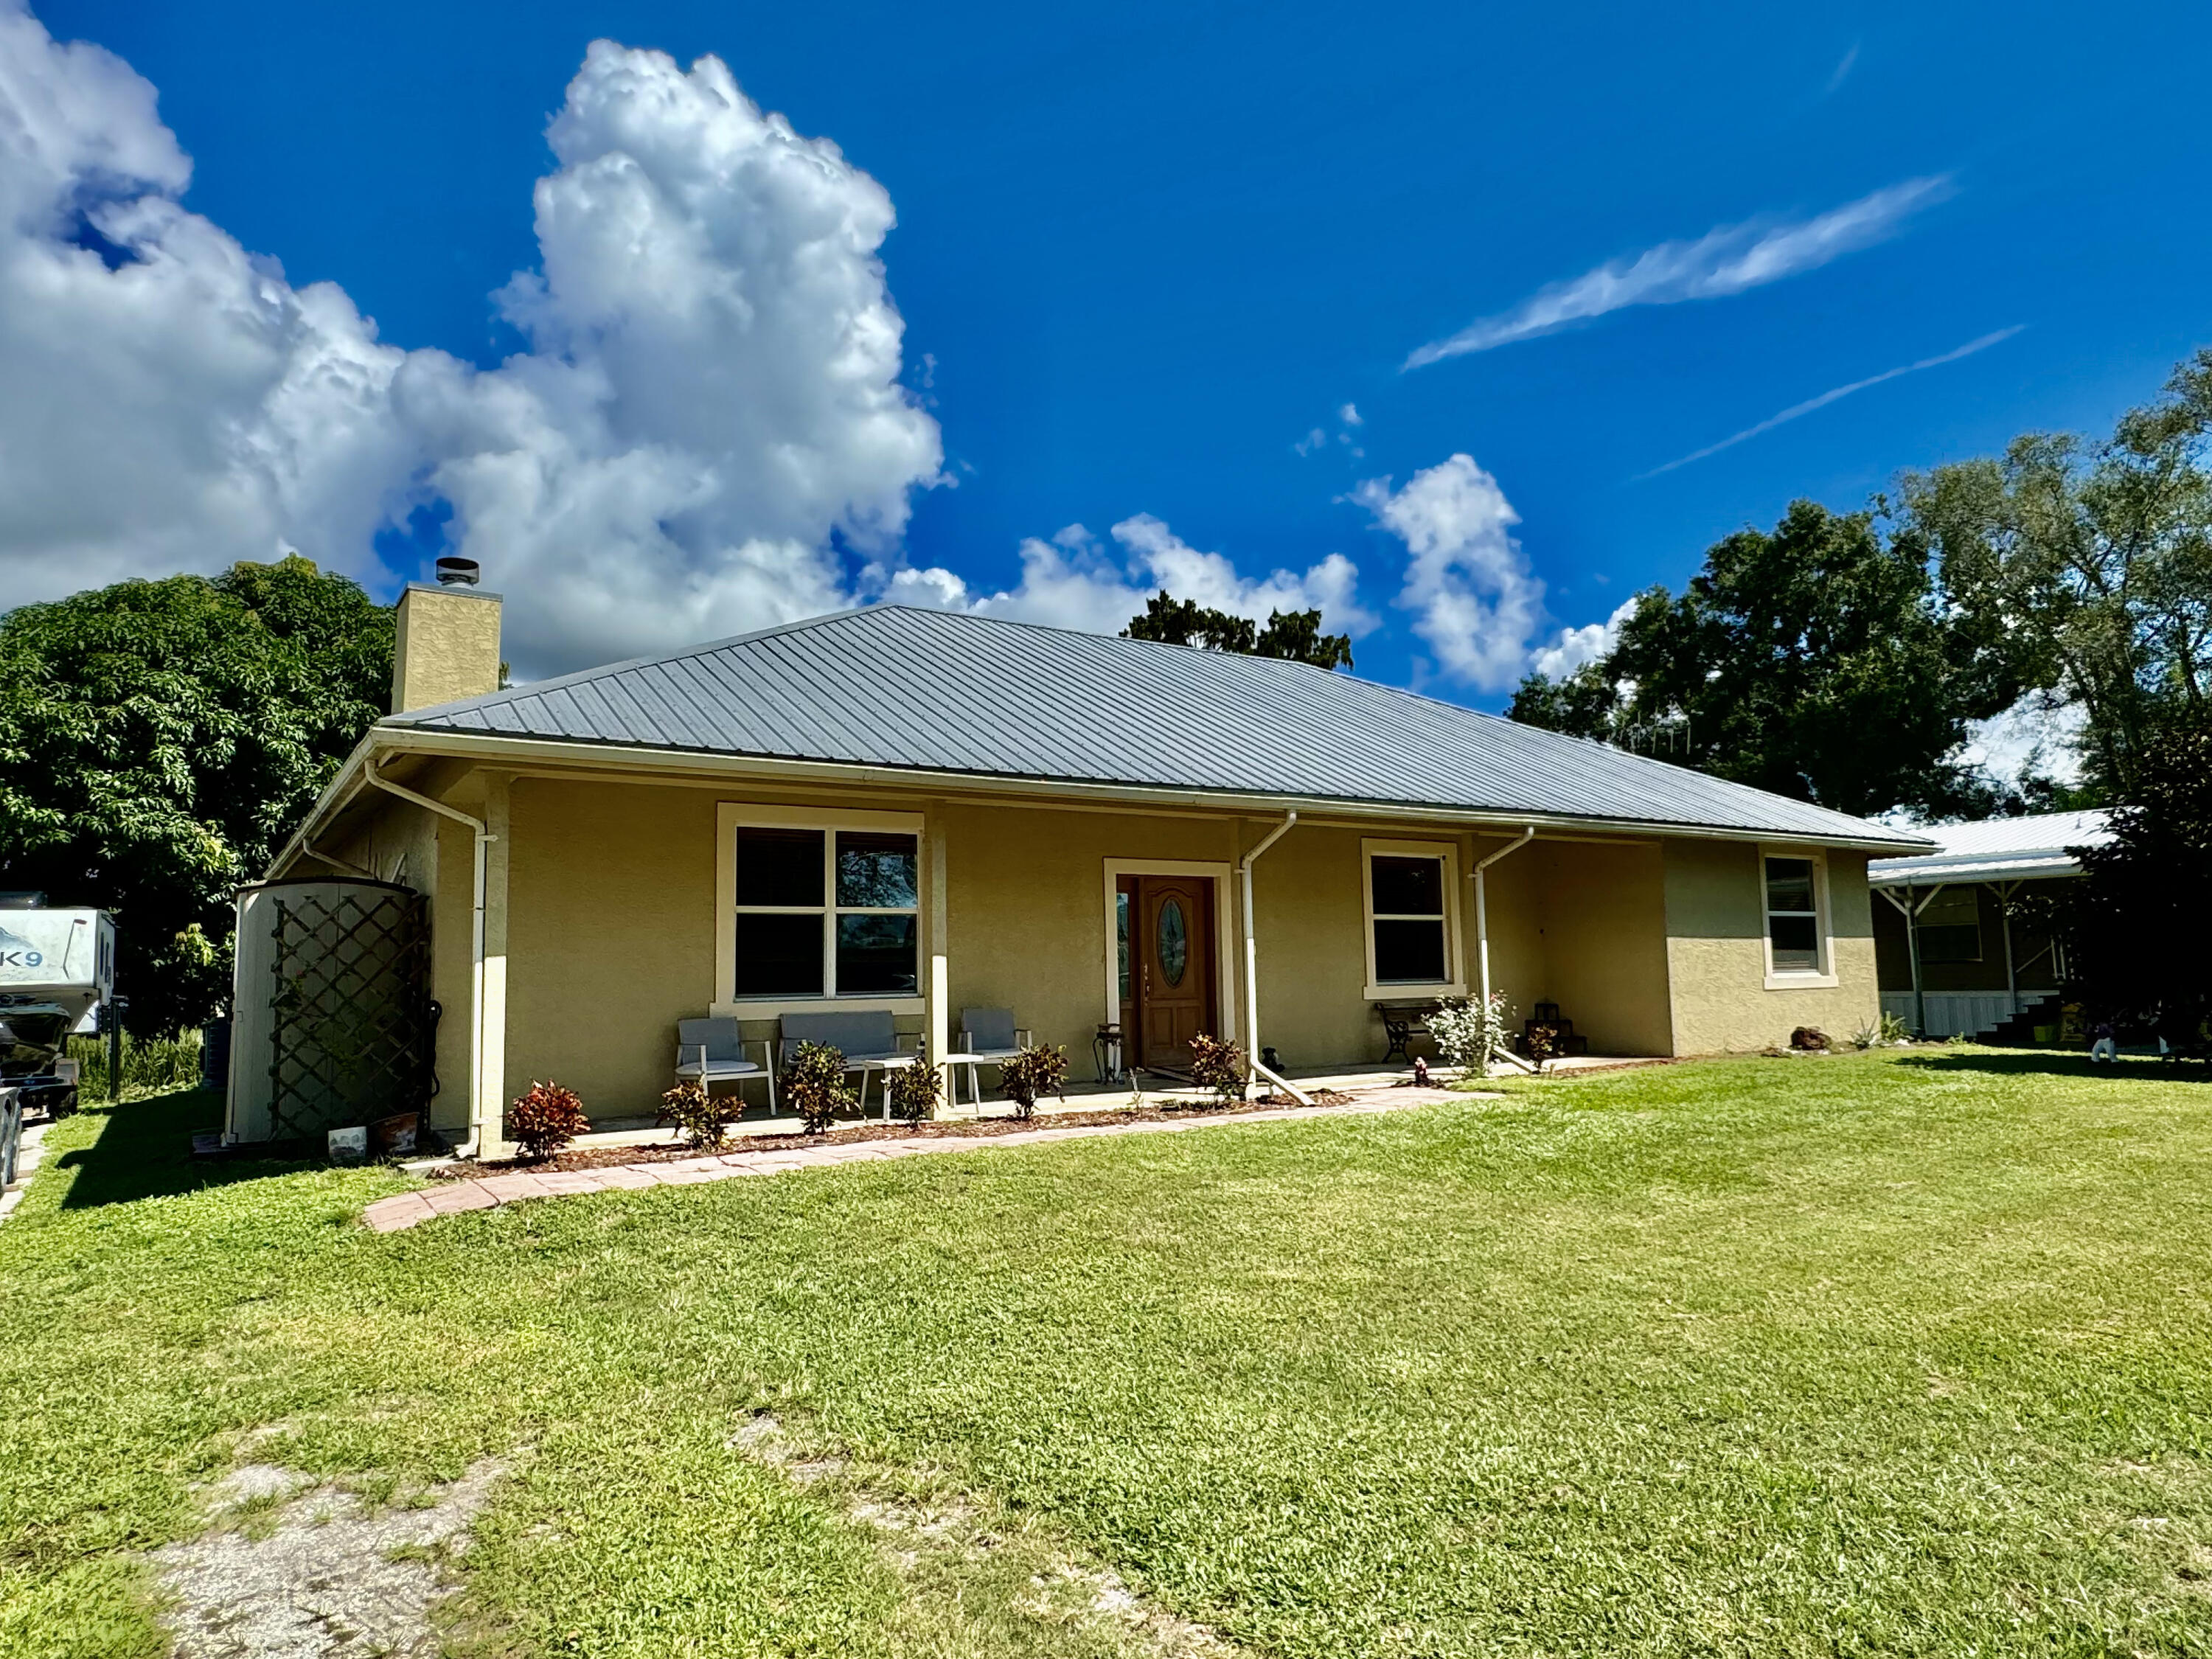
column 1816, row 660
column 2092, row 563
column 2133, row 924
column 1294, row 636
column 159, row 740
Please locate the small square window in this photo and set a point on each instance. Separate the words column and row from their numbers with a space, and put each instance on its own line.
column 779, row 956
column 875, row 872
column 876, row 955
column 780, row 866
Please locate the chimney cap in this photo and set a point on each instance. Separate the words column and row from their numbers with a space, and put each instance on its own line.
column 457, row 573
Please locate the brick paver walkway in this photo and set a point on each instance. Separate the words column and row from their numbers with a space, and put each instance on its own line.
column 390, row 1215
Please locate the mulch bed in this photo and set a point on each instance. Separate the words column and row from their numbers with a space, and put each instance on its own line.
column 600, row 1157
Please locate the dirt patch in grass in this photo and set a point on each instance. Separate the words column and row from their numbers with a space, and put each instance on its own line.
column 953, row 1540
column 600, row 1157
column 295, row 1568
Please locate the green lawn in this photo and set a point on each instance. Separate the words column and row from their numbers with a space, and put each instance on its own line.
column 1897, row 1353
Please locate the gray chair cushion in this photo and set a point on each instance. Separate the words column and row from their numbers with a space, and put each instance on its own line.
column 989, row 1030
column 718, row 1037
column 858, row 1036
column 714, row 1069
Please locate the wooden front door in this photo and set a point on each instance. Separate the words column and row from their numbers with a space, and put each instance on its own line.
column 1173, row 968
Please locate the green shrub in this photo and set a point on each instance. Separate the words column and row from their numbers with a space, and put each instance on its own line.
column 1217, row 1065
column 151, row 1065
column 702, row 1120
column 1466, row 1036
column 544, row 1120
column 1032, row 1075
column 814, row 1083
column 915, row 1091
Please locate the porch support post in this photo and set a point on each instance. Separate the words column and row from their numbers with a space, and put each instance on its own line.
column 1252, row 967
column 941, row 978
column 2004, row 892
column 1482, row 937
column 1909, row 908
column 488, row 1100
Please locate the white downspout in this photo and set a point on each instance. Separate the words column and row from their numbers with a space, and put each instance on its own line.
column 1482, row 938
column 1252, row 967
column 477, row 1092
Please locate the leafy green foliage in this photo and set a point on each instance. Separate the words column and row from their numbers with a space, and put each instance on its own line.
column 2094, row 563
column 1217, row 1065
column 159, row 740
column 1817, row 661
column 915, row 1092
column 1467, row 1036
column 702, row 1119
column 2135, row 926
column 814, row 1083
column 1293, row 635
column 1031, row 1075
column 544, row 1120
column 150, row 1065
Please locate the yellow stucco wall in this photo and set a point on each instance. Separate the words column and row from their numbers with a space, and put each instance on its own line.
column 446, row 647
column 610, row 936
column 611, row 928
column 1716, row 924
column 1603, row 912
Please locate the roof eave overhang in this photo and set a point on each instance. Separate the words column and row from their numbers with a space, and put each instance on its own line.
column 495, row 748
column 1920, row 873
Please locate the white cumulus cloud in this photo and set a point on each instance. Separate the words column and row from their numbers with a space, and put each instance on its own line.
column 1474, row 599
column 1075, row 580
column 1573, row 647
column 1726, row 260
column 710, row 398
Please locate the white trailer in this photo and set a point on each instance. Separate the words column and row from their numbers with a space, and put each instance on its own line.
column 56, row 968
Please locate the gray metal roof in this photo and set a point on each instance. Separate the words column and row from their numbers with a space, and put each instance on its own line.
column 2030, row 849
column 941, row 691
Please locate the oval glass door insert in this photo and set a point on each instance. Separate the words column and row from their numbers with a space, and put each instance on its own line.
column 1174, row 942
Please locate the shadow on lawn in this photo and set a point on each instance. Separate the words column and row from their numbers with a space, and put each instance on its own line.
column 2023, row 1062
column 145, row 1151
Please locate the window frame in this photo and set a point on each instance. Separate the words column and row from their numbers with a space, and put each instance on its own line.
column 1446, row 853
column 733, row 816
column 1822, row 976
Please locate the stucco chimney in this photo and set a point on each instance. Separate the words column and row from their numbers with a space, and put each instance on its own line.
column 447, row 647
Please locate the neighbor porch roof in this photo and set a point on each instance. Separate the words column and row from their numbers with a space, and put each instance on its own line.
column 2033, row 848
column 940, row 692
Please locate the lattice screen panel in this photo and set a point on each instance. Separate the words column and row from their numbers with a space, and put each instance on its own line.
column 353, row 1033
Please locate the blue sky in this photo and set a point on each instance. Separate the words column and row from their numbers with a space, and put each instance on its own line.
column 1141, row 254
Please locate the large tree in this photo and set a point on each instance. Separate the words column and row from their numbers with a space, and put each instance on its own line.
column 1292, row 635
column 1816, row 660
column 159, row 740
column 2095, row 562
column 2134, row 926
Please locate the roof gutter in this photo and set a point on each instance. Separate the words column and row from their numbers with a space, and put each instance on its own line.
column 492, row 748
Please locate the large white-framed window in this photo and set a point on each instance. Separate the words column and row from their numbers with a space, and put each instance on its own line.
column 1793, row 889
column 817, row 905
column 1412, row 892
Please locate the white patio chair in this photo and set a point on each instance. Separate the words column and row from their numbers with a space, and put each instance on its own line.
column 988, row 1037
column 711, row 1051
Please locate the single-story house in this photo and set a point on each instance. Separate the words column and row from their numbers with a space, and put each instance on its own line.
column 915, row 813
column 1955, row 957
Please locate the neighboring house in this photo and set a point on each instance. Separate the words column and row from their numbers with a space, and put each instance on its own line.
column 918, row 811
column 1956, row 959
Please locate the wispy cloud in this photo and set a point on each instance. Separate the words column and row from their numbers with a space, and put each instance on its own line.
column 1835, row 394
column 1842, row 70
column 1723, row 261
